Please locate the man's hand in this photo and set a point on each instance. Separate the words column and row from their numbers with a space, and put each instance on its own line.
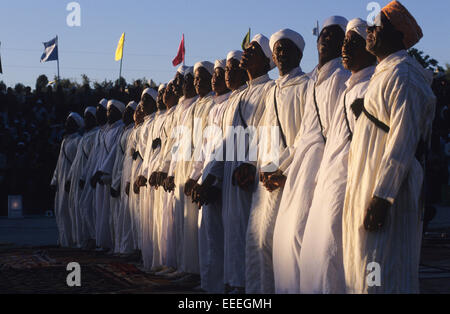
column 188, row 186
column 114, row 193
column 169, row 184
column 96, row 178
column 153, row 179
column 141, row 181
column 204, row 195
column 127, row 188
column 161, row 176
column 244, row 176
column 376, row 214
column 81, row 184
column 274, row 180
column 67, row 187
column 136, row 188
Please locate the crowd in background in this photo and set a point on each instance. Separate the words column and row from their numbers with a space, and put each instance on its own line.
column 31, row 132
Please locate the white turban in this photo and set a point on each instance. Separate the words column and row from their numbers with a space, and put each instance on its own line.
column 91, row 110
column 77, row 118
column 182, row 69
column 104, row 103
column 118, row 104
column 235, row 54
column 205, row 64
column 220, row 64
column 287, row 33
column 359, row 26
column 189, row 70
column 161, row 87
column 133, row 105
column 264, row 43
column 150, row 91
column 336, row 20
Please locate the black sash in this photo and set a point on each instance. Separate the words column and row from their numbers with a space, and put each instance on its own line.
column 318, row 115
column 283, row 137
column 350, row 137
column 137, row 155
column 241, row 116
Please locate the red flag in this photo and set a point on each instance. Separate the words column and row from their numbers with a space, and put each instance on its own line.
column 180, row 56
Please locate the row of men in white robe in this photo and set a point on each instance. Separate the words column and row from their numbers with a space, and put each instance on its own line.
column 297, row 239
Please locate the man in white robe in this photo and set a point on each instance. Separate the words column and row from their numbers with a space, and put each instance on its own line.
column 66, row 157
column 325, row 86
column 87, row 201
column 170, row 163
column 102, row 178
column 382, row 227
column 239, row 175
column 321, row 262
column 210, row 232
column 118, row 195
column 277, row 130
column 76, row 170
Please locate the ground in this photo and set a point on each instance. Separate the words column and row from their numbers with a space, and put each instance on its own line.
column 30, row 262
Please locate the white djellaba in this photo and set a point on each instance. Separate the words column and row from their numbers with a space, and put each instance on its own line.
column 322, row 96
column 66, row 157
column 321, row 262
column 384, row 165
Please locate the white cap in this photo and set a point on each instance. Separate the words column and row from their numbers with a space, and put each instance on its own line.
column 287, row 33
column 264, row 43
column 161, row 87
column 118, row 104
column 359, row 26
column 220, row 64
column 205, row 64
column 335, row 20
column 235, row 54
column 104, row 102
column 189, row 70
column 133, row 105
column 77, row 118
column 150, row 91
column 182, row 69
column 91, row 110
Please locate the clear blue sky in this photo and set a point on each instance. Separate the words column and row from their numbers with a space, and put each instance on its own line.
column 153, row 32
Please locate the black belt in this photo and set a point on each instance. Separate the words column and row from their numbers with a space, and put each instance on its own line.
column 283, row 137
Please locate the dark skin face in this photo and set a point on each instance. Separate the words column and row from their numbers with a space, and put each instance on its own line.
column 113, row 115
column 128, row 116
column 188, row 87
column 254, row 61
column 101, row 115
column 139, row 115
column 383, row 40
column 160, row 99
column 70, row 126
column 218, row 82
column 148, row 104
column 178, row 84
column 202, row 82
column 235, row 76
column 286, row 56
column 170, row 99
column 90, row 121
column 355, row 57
column 329, row 44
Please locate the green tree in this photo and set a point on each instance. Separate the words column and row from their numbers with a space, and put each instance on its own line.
column 425, row 60
column 85, row 80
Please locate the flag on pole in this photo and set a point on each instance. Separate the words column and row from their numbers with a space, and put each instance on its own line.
column 119, row 50
column 51, row 50
column 181, row 53
column 316, row 30
column 246, row 40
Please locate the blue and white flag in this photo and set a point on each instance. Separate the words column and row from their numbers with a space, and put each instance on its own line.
column 51, row 50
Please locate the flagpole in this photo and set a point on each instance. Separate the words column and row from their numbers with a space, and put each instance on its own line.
column 57, row 60
column 184, row 49
column 121, row 60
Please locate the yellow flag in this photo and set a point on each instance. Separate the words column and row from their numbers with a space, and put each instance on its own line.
column 119, row 50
